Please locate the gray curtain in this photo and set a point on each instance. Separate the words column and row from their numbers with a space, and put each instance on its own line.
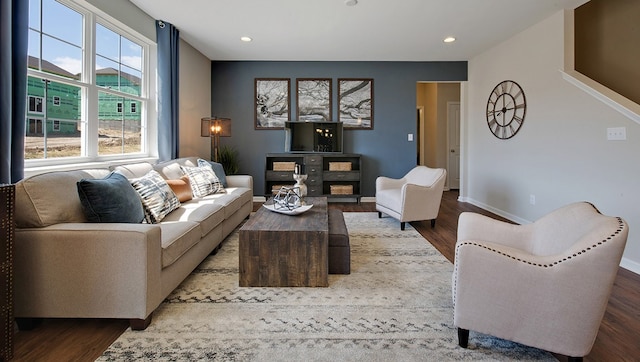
column 168, row 37
column 14, row 27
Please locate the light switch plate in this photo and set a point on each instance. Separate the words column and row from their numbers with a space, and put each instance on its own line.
column 410, row 137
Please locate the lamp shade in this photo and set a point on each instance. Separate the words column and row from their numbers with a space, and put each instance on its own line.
column 211, row 126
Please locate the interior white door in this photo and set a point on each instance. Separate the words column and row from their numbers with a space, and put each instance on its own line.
column 453, row 141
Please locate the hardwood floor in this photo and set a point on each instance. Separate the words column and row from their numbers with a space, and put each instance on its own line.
column 86, row 339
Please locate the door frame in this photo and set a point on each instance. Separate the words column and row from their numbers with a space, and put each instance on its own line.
column 448, row 147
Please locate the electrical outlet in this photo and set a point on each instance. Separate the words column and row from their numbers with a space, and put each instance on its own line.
column 532, row 199
column 617, row 133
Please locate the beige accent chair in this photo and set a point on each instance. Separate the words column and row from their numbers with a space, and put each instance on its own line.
column 544, row 284
column 414, row 197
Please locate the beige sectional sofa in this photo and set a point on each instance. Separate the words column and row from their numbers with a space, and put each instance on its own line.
column 69, row 268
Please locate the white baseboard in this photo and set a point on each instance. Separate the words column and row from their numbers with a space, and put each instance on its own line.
column 492, row 209
column 630, row 265
column 259, row 199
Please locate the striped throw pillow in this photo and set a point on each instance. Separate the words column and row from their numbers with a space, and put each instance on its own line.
column 203, row 180
column 157, row 197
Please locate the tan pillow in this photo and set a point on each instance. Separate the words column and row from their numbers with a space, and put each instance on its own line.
column 181, row 187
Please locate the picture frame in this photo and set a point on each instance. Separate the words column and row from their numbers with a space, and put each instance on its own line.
column 355, row 102
column 314, row 99
column 272, row 102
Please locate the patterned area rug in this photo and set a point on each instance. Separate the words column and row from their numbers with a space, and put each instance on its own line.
column 394, row 306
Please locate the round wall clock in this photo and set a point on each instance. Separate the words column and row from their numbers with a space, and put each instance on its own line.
column 506, row 108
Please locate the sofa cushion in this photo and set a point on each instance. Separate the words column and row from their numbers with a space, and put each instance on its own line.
column 51, row 198
column 208, row 215
column 217, row 169
column 110, row 199
column 182, row 188
column 177, row 239
column 133, row 170
column 203, row 180
column 157, row 197
column 231, row 200
column 171, row 170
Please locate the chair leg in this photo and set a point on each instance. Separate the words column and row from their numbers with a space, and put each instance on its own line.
column 433, row 223
column 402, row 226
column 379, row 215
column 574, row 359
column 463, row 337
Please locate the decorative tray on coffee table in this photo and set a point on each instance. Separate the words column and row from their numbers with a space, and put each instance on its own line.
column 288, row 211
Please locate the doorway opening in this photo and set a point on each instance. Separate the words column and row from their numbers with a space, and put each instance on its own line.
column 438, row 128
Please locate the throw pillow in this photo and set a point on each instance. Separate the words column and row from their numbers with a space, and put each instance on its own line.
column 157, row 197
column 203, row 180
column 111, row 199
column 217, row 169
column 181, row 187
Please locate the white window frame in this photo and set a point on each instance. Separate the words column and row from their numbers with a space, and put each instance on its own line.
column 89, row 109
column 56, row 101
column 56, row 125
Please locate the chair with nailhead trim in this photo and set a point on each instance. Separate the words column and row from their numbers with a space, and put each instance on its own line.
column 544, row 284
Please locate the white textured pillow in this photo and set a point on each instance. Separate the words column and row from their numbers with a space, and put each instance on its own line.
column 157, row 197
column 203, row 180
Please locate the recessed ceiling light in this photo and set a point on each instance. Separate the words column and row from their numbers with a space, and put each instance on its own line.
column 246, row 38
column 449, row 39
column 350, row 2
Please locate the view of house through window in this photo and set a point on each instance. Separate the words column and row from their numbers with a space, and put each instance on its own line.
column 70, row 112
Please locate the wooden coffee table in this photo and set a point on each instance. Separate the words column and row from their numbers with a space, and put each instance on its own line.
column 279, row 250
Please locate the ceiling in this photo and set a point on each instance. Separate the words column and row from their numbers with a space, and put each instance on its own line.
column 329, row 30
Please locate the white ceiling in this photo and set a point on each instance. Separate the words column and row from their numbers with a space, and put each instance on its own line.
column 328, row 30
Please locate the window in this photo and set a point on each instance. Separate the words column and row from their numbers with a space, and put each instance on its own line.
column 34, row 126
column 35, row 104
column 80, row 96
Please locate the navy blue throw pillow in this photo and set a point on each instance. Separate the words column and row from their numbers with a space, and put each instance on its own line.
column 111, row 199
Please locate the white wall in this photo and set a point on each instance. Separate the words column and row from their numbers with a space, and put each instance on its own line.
column 194, row 101
column 560, row 154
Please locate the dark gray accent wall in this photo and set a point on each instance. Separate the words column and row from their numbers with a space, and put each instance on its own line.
column 385, row 149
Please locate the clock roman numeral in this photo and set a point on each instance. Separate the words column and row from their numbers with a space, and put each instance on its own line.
column 518, row 119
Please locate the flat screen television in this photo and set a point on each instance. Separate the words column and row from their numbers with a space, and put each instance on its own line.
column 313, row 137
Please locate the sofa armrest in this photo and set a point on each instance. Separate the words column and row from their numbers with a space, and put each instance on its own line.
column 88, row 270
column 240, row 181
